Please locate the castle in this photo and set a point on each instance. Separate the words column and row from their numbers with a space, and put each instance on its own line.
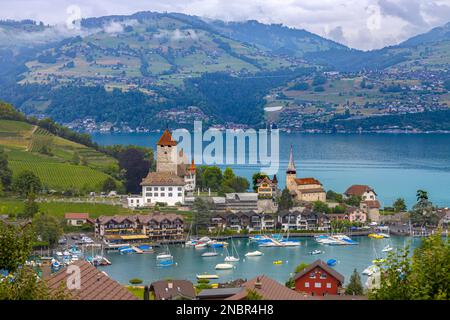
column 303, row 189
column 173, row 178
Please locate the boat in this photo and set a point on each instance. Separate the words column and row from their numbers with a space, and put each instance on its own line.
column 207, row 276
column 210, row 254
column 126, row 249
column 164, row 256
column 378, row 261
column 331, row 262
column 388, row 248
column 59, row 253
column 375, row 236
column 385, row 235
column 254, row 254
column 145, row 248
column 231, row 258
column 224, row 266
column 201, row 245
column 278, row 262
column 316, row 252
column 370, row 270
column 165, row 263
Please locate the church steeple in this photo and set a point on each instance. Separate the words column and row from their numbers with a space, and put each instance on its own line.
column 291, row 166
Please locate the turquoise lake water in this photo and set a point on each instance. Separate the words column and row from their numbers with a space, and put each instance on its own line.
column 396, row 165
column 190, row 262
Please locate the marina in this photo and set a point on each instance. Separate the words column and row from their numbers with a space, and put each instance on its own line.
column 190, row 264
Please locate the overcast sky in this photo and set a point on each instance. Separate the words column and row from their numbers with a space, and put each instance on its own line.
column 363, row 24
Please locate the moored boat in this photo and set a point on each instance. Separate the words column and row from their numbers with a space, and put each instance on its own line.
column 254, row 254
column 207, row 276
column 224, row 266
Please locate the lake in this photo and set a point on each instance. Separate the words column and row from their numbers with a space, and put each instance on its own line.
column 395, row 165
column 189, row 261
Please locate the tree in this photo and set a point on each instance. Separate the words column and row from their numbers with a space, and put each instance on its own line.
column 201, row 215
column 355, row 286
column 253, row 295
column 257, row 176
column 30, row 208
column 228, row 174
column 399, row 205
column 5, row 171
column 353, row 201
column 109, row 185
column 15, row 245
column 27, row 182
column 239, row 184
column 136, row 163
column 47, row 228
column 422, row 196
column 321, row 207
column 285, row 201
column 212, row 177
column 334, row 196
column 291, row 283
column 425, row 276
column 423, row 212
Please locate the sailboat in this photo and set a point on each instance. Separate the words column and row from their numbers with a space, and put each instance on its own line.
column 254, row 254
column 165, row 255
column 232, row 258
column 286, row 242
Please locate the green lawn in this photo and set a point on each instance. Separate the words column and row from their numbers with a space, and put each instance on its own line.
column 138, row 291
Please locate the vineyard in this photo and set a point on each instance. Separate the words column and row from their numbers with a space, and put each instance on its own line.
column 51, row 158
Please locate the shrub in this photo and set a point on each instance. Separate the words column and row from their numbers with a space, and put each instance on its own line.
column 135, row 281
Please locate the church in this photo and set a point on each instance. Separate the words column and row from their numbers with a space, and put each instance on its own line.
column 173, row 178
column 303, row 189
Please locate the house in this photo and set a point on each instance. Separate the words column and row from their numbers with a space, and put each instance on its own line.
column 303, row 189
column 246, row 201
column 267, row 288
column 365, row 192
column 356, row 215
column 77, row 219
column 318, row 279
column 237, row 221
column 219, row 293
column 372, row 209
column 155, row 227
column 173, row 178
column 303, row 220
column 173, row 290
column 93, row 283
column 267, row 188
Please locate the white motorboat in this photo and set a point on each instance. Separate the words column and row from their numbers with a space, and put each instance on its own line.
column 201, row 245
column 385, row 235
column 388, row 248
column 224, row 266
column 163, row 256
column 316, row 252
column 231, row 259
column 254, row 254
column 289, row 243
column 210, row 254
column 207, row 276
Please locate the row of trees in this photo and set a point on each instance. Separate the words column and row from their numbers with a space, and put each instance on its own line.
column 212, row 178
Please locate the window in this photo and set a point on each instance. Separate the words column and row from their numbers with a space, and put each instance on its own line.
column 329, row 285
column 312, row 275
column 149, row 188
column 170, row 194
column 131, row 201
column 163, row 194
column 156, row 195
column 156, row 188
column 148, row 194
column 323, row 276
column 179, row 195
column 179, row 188
column 306, row 284
column 162, row 189
column 170, row 188
column 317, row 285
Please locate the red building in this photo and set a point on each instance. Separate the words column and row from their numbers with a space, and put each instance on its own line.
column 318, row 279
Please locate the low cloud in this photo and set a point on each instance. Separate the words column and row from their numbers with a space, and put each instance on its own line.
column 363, row 24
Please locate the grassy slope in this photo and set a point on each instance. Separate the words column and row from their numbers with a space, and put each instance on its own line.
column 22, row 142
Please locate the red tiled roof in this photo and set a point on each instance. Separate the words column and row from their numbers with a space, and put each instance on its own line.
column 166, row 139
column 71, row 215
column 358, row 190
column 269, row 290
column 304, row 181
column 94, row 284
column 321, row 264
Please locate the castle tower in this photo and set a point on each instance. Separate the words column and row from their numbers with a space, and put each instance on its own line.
column 291, row 172
column 166, row 154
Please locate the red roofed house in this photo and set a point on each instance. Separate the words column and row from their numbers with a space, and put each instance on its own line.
column 365, row 192
column 82, row 281
column 303, row 189
column 318, row 279
column 77, row 219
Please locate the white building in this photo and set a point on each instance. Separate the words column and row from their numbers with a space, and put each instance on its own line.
column 174, row 176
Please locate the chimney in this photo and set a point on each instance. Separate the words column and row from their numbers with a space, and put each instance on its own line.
column 258, row 283
column 146, row 293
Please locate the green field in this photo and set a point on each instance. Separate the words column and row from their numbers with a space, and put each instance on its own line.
column 23, row 144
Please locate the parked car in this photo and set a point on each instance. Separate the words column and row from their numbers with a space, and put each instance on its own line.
column 74, row 237
column 62, row 240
